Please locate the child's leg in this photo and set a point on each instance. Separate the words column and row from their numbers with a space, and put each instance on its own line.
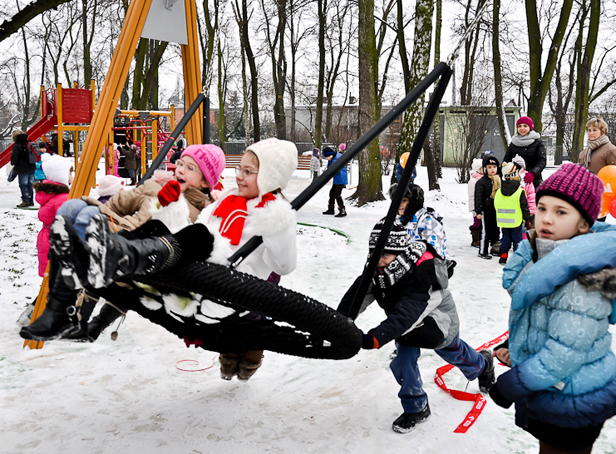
column 465, row 358
column 405, row 369
column 517, row 236
column 484, row 243
column 338, row 195
column 505, row 242
column 491, row 227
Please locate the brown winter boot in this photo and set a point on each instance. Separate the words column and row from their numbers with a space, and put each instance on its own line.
column 229, row 365
column 249, row 364
column 476, row 236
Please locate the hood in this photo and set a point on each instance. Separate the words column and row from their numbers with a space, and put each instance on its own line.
column 508, row 187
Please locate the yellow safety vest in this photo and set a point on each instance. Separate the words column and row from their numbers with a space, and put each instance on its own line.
column 508, row 209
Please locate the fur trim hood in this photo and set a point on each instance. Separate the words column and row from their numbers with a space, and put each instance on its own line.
column 603, row 281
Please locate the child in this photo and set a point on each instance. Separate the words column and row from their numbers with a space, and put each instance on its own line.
column 39, row 175
column 476, row 174
column 315, row 163
column 422, row 223
column 109, row 186
column 485, row 190
column 256, row 207
column 339, row 183
column 563, row 375
column 128, row 211
column 529, row 188
column 511, row 210
column 51, row 193
column 420, row 313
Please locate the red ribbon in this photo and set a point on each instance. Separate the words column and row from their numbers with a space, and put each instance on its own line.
column 479, row 400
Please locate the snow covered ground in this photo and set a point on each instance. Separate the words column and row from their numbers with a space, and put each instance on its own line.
column 129, row 396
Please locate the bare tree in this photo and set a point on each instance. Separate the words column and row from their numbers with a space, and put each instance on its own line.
column 22, row 17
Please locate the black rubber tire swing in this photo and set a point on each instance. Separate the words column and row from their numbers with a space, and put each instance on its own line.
column 295, row 324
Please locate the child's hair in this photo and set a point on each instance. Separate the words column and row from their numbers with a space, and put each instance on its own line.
column 210, row 159
column 277, row 161
column 598, row 123
column 576, row 185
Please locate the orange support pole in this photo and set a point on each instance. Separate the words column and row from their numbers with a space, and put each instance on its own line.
column 103, row 115
column 192, row 73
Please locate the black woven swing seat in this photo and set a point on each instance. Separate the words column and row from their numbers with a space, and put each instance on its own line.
column 293, row 323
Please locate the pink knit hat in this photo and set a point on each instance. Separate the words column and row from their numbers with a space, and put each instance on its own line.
column 211, row 161
column 575, row 184
column 525, row 120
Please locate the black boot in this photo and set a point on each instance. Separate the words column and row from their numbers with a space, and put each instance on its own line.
column 86, row 301
column 113, row 257
column 70, row 252
column 342, row 213
column 61, row 316
column 108, row 314
column 330, row 210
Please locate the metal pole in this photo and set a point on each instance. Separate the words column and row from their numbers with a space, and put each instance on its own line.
column 422, row 135
column 173, row 137
column 440, row 70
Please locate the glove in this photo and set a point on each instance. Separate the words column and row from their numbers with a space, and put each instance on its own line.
column 498, row 398
column 528, row 225
column 369, row 342
column 529, row 177
column 169, row 193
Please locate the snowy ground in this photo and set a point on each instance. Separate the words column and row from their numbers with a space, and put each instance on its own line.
column 128, row 396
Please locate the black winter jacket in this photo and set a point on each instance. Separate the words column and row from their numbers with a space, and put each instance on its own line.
column 483, row 191
column 534, row 158
column 19, row 155
column 419, row 312
column 508, row 188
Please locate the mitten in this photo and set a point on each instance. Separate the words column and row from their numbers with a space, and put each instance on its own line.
column 169, row 193
column 529, row 177
column 369, row 342
column 528, row 225
column 498, row 397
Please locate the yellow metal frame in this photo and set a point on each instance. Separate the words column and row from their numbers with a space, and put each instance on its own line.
column 102, row 120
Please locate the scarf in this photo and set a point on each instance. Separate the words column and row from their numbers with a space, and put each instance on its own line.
column 401, row 265
column 524, row 141
column 496, row 184
column 233, row 211
column 593, row 145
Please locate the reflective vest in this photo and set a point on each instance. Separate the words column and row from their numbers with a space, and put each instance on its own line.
column 508, row 210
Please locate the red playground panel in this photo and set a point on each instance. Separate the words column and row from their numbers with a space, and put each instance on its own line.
column 76, row 105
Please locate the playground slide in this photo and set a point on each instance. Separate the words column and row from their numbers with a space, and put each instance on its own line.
column 41, row 127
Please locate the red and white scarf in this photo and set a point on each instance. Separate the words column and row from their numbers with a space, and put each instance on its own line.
column 233, row 211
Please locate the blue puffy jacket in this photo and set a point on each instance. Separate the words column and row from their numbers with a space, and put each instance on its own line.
column 341, row 177
column 564, row 371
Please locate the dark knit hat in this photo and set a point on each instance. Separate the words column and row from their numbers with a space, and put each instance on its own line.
column 490, row 159
column 575, row 184
column 398, row 239
column 526, row 121
column 328, row 151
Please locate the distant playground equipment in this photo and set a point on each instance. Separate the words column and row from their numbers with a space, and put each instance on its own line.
column 145, row 129
column 62, row 109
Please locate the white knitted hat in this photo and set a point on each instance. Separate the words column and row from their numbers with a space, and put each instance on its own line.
column 519, row 160
column 509, row 170
column 277, row 161
column 109, row 185
column 56, row 168
column 476, row 165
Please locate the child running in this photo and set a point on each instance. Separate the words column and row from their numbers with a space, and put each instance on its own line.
column 420, row 313
column 563, row 375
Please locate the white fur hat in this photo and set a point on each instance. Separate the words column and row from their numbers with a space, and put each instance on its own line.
column 110, row 185
column 519, row 160
column 476, row 165
column 56, row 168
column 509, row 170
column 277, row 161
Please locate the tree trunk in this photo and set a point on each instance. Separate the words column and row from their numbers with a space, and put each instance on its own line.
column 421, row 58
column 369, row 188
column 583, row 75
column 222, row 138
column 318, row 122
column 540, row 80
column 436, row 131
column 498, row 77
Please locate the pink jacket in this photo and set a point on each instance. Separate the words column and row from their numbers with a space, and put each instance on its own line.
column 49, row 196
column 530, row 196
